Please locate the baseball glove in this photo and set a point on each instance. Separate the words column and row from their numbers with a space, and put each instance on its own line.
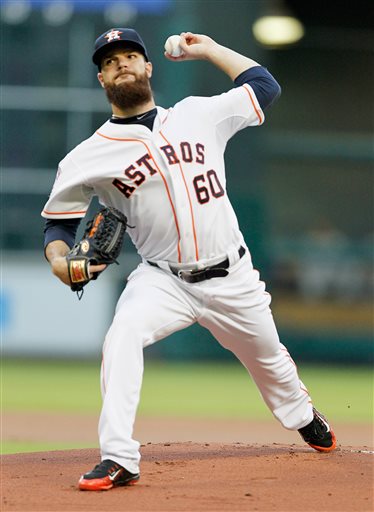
column 101, row 243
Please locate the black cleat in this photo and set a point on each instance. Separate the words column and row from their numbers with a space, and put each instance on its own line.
column 318, row 433
column 106, row 475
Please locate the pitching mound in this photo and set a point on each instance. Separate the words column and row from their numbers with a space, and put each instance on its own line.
column 197, row 477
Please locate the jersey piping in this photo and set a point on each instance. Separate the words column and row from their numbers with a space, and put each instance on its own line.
column 260, row 119
column 190, row 203
column 64, row 213
column 163, row 179
column 167, row 115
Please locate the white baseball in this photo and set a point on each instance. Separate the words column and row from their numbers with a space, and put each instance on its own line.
column 172, row 46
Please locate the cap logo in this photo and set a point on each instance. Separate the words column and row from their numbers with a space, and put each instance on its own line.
column 112, row 35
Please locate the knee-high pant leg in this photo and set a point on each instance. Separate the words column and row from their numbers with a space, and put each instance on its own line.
column 150, row 308
column 240, row 318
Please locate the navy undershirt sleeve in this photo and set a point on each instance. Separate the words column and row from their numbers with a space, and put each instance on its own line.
column 265, row 86
column 61, row 229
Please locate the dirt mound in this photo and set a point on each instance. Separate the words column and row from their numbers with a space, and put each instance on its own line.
column 197, row 477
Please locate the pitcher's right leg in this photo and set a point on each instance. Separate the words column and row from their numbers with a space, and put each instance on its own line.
column 151, row 307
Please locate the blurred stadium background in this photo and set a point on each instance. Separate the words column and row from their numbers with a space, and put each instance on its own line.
column 302, row 184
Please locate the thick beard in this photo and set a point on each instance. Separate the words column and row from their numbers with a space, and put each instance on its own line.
column 129, row 94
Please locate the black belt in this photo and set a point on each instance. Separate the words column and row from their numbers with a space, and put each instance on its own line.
column 195, row 276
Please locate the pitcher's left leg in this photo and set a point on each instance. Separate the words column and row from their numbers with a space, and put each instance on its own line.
column 240, row 318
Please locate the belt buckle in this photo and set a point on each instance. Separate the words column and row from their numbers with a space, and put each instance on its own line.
column 192, row 276
column 182, row 273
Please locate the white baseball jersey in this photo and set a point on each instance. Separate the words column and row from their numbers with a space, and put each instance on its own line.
column 170, row 183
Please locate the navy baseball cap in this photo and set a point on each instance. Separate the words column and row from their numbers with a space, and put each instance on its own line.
column 116, row 36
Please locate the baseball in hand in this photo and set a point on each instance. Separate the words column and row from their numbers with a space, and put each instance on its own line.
column 172, row 46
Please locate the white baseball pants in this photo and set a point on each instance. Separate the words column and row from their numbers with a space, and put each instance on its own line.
column 235, row 309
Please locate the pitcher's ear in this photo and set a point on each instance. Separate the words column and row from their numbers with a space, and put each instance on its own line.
column 100, row 78
column 149, row 69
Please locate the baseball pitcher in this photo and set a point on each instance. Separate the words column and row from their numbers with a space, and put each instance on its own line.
column 159, row 173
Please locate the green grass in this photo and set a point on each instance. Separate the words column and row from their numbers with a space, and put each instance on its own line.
column 170, row 389
column 68, row 386
column 215, row 391
column 9, row 447
column 203, row 390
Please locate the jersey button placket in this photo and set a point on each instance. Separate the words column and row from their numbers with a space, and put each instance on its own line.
column 181, row 204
